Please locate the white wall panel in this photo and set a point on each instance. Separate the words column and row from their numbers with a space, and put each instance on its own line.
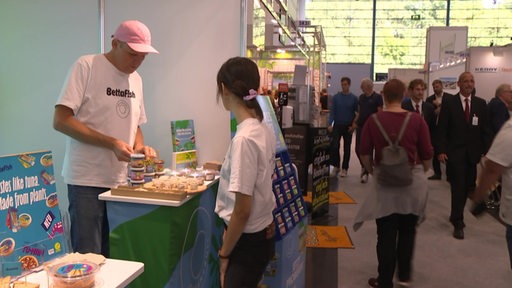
column 41, row 40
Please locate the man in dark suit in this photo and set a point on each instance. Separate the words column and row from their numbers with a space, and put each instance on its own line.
column 464, row 136
column 436, row 99
column 499, row 107
column 415, row 102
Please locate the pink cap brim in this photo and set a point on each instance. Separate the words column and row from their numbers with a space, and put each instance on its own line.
column 142, row 48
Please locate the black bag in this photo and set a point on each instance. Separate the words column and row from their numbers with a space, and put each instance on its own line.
column 394, row 169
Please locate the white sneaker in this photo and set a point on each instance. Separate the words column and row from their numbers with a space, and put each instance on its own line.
column 343, row 173
column 333, row 171
column 364, row 178
column 403, row 284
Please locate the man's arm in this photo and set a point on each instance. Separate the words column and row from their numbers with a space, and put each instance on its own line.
column 489, row 176
column 65, row 122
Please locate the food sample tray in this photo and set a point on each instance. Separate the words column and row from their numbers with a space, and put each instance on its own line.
column 144, row 192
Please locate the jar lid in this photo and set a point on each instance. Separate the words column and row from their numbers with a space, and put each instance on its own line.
column 74, row 269
column 138, row 156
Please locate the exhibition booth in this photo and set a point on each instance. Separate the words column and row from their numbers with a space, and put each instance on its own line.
column 174, row 242
column 159, row 236
column 166, row 243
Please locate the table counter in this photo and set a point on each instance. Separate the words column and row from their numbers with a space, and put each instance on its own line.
column 176, row 240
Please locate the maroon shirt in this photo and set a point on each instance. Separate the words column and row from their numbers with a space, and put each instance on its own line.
column 416, row 137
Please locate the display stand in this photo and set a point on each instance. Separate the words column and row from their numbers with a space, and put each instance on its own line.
column 288, row 266
column 32, row 231
column 316, row 142
column 290, row 206
column 177, row 244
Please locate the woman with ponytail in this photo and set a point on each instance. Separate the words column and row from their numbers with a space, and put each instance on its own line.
column 245, row 199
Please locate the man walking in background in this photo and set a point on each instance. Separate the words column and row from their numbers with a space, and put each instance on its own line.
column 342, row 122
column 464, row 136
column 416, row 104
column 499, row 107
column 436, row 99
column 369, row 102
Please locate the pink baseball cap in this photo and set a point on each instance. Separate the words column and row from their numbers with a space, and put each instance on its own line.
column 136, row 35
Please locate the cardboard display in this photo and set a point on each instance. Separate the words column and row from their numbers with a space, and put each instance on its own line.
column 32, row 232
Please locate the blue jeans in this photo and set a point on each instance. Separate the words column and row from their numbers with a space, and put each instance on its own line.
column 509, row 242
column 89, row 223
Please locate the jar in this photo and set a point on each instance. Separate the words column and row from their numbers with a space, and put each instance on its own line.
column 137, row 160
column 136, row 174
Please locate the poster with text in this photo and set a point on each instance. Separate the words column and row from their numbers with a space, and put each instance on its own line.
column 31, row 231
column 183, row 135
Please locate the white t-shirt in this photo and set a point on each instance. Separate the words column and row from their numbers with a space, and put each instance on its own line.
column 109, row 101
column 247, row 169
column 500, row 153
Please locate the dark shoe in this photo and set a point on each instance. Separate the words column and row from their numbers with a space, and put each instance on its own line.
column 373, row 282
column 478, row 208
column 435, row 177
column 458, row 233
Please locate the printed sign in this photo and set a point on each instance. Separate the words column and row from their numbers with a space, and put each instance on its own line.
column 32, row 232
column 183, row 135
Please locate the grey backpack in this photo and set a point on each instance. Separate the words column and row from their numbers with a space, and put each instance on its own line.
column 394, row 169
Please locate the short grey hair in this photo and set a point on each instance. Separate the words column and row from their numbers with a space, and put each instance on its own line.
column 501, row 88
column 367, row 82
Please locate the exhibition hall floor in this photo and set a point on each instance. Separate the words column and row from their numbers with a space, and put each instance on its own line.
column 440, row 261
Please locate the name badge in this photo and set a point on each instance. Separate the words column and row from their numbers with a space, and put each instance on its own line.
column 474, row 121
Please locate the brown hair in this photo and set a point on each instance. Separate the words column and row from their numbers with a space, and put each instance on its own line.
column 417, row 82
column 394, row 90
column 437, row 81
column 240, row 75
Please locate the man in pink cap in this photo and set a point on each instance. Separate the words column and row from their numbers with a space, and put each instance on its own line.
column 100, row 109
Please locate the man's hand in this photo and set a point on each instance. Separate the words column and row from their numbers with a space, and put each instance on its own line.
column 442, row 157
column 122, row 150
column 146, row 150
column 352, row 128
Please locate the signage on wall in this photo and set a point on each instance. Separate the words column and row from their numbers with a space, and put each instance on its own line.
column 486, row 69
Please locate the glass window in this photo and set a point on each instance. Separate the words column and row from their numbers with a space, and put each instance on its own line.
column 347, row 27
column 401, row 27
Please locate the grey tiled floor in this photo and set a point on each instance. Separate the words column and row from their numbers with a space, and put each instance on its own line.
column 480, row 260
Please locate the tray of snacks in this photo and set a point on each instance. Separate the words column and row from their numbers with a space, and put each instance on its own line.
column 190, row 184
column 146, row 191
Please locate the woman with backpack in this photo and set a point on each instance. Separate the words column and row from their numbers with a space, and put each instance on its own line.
column 397, row 206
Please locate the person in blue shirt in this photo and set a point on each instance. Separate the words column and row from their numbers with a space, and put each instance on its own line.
column 342, row 122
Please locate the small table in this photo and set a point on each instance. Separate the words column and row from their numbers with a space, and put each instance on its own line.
column 113, row 273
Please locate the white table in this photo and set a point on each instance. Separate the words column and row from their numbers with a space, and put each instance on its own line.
column 113, row 274
column 107, row 196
